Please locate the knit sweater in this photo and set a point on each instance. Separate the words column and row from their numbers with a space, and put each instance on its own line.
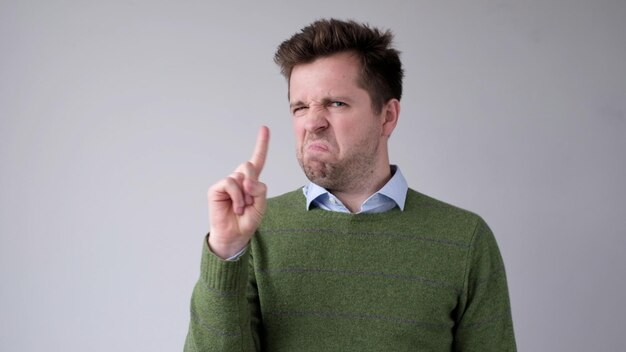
column 429, row 278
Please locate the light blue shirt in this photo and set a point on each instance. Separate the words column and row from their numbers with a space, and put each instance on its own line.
column 391, row 195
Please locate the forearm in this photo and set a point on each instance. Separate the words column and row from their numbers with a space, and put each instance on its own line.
column 220, row 315
column 485, row 323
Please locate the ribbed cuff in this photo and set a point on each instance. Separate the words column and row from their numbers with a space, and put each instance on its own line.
column 224, row 275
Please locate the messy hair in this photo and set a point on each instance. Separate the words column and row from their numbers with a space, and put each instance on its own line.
column 381, row 69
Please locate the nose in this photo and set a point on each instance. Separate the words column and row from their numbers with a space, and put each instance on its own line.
column 316, row 120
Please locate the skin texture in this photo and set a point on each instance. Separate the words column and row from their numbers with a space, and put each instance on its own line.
column 341, row 141
column 341, row 144
column 237, row 203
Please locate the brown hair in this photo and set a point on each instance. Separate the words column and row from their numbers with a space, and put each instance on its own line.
column 381, row 69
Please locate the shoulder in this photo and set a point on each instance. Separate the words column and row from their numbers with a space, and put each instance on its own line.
column 443, row 218
column 419, row 201
column 284, row 209
column 287, row 200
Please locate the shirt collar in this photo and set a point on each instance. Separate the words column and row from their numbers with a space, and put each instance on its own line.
column 395, row 189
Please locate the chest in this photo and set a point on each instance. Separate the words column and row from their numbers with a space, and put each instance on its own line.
column 357, row 284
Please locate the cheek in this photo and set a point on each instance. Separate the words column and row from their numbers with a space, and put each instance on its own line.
column 298, row 131
column 350, row 135
column 295, row 126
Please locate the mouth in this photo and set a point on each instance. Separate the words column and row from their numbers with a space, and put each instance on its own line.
column 317, row 146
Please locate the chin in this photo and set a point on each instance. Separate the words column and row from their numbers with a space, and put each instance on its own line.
column 316, row 171
column 319, row 173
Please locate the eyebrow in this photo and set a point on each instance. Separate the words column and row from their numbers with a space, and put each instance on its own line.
column 324, row 101
column 294, row 104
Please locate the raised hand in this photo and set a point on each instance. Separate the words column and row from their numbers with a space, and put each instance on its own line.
column 237, row 203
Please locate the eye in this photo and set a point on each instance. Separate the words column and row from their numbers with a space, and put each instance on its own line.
column 298, row 110
column 338, row 104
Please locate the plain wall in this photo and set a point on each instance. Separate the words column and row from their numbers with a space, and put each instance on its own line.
column 116, row 116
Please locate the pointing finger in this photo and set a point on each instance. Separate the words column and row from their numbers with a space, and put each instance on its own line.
column 260, row 150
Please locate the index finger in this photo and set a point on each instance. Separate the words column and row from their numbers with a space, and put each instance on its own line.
column 260, row 150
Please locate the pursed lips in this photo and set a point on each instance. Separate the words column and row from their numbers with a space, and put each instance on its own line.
column 317, row 146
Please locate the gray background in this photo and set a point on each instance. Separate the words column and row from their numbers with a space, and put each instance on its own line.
column 116, row 116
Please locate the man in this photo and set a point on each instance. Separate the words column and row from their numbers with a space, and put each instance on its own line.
column 354, row 261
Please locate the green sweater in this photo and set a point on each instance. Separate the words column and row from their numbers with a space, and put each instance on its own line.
column 429, row 278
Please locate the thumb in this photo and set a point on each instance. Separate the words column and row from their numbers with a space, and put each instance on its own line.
column 255, row 188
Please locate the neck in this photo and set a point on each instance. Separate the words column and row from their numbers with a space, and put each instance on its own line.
column 353, row 197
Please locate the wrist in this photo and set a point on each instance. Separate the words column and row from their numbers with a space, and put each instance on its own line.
column 225, row 249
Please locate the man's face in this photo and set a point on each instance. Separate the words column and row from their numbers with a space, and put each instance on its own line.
column 338, row 135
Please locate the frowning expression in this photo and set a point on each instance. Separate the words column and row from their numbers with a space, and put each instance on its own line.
column 338, row 134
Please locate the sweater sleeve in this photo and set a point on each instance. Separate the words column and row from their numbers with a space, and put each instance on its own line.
column 223, row 305
column 484, row 320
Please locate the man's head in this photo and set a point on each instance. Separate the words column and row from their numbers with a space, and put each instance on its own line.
column 342, row 103
column 381, row 70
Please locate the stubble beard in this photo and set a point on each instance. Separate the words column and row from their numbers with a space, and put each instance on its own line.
column 347, row 174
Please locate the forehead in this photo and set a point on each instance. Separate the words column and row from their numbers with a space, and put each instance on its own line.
column 335, row 74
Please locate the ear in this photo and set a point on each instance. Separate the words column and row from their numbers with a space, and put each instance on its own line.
column 390, row 114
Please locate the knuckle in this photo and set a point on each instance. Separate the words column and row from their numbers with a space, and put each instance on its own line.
column 248, row 167
column 214, row 187
column 235, row 178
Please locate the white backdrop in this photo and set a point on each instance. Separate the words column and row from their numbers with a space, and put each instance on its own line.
column 116, row 116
